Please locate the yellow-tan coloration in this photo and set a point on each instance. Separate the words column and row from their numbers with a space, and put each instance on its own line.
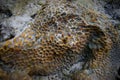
column 56, row 39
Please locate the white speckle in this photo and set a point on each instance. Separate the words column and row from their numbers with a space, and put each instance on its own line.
column 77, row 66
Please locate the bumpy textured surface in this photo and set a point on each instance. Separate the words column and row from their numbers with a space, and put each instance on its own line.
column 62, row 32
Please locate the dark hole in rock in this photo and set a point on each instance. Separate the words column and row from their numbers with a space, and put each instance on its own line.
column 119, row 71
column 6, row 12
column 118, row 74
column 33, row 16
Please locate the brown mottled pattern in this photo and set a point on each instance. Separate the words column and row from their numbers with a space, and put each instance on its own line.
column 58, row 36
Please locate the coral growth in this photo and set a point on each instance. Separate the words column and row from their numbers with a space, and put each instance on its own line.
column 62, row 32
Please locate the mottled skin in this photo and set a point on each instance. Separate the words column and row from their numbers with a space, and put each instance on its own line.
column 58, row 37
